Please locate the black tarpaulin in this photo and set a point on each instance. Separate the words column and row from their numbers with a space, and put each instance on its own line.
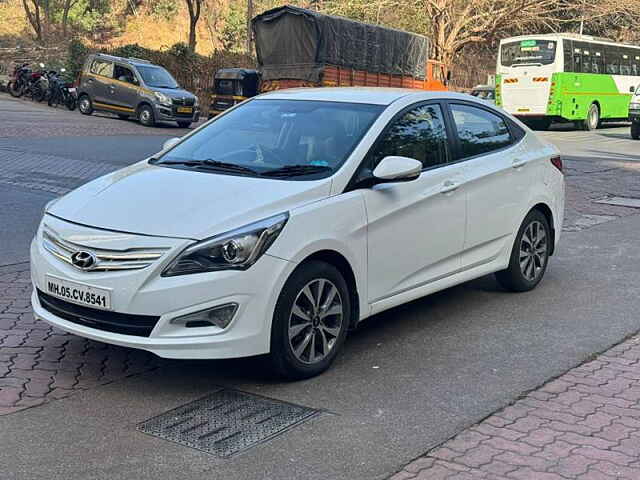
column 296, row 43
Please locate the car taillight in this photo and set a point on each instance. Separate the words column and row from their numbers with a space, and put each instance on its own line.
column 557, row 162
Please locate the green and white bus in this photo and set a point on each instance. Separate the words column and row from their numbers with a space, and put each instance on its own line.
column 567, row 78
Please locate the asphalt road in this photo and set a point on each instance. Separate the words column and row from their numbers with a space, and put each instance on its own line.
column 409, row 378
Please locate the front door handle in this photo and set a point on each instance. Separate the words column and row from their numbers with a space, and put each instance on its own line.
column 517, row 163
column 449, row 186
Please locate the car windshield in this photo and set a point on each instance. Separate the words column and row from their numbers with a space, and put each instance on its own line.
column 296, row 139
column 156, row 77
column 527, row 52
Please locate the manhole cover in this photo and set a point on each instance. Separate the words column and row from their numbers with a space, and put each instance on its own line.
column 620, row 201
column 226, row 422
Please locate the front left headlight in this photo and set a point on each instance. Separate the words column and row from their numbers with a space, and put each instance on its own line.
column 162, row 98
column 234, row 250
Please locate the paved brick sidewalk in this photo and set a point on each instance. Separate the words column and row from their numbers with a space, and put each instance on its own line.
column 584, row 425
column 39, row 363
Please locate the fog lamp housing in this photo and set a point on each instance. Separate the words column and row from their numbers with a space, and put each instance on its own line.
column 219, row 316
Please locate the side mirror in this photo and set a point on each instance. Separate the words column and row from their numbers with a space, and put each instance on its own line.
column 397, row 169
column 632, row 89
column 170, row 143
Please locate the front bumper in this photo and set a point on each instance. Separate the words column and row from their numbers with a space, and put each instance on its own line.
column 171, row 114
column 145, row 292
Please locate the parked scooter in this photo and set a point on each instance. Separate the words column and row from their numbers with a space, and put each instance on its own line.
column 60, row 91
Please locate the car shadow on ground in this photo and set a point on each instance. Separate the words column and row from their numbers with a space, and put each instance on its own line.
column 409, row 319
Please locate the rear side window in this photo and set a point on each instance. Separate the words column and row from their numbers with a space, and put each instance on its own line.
column 102, row 68
column 479, row 130
column 419, row 134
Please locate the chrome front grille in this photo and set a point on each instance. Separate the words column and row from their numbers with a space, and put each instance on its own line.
column 105, row 260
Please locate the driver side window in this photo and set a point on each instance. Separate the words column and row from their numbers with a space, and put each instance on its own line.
column 420, row 134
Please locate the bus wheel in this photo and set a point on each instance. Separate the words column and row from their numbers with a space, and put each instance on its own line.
column 593, row 118
column 635, row 130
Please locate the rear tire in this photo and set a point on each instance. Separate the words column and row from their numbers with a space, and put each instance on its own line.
column 146, row 117
column 593, row 118
column 310, row 321
column 71, row 103
column 529, row 254
column 85, row 105
column 635, row 130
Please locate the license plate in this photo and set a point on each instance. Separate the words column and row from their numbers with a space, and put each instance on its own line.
column 78, row 293
column 72, row 90
column 185, row 110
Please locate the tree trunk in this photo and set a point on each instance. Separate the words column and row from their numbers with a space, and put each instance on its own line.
column 249, row 31
column 194, row 16
column 34, row 18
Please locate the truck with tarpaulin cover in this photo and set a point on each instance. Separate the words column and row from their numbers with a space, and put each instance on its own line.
column 296, row 47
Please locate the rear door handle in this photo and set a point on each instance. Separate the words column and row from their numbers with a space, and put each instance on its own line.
column 517, row 163
column 449, row 186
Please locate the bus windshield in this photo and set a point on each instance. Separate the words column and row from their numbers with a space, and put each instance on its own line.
column 527, row 52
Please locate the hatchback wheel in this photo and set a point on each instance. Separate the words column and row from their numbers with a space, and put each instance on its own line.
column 310, row 321
column 145, row 114
column 84, row 105
column 529, row 255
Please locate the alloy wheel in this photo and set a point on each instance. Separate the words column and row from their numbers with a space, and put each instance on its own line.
column 533, row 250
column 84, row 104
column 315, row 321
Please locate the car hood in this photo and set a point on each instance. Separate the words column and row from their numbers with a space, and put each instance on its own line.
column 161, row 201
column 174, row 92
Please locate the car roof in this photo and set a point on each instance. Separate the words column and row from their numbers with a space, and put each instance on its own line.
column 370, row 95
column 129, row 60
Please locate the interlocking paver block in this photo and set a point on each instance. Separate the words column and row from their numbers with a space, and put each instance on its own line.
column 584, row 425
column 40, row 363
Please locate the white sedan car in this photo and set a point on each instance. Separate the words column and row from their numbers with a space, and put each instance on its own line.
column 279, row 225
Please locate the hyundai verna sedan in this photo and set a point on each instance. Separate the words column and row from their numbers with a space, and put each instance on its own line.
column 282, row 223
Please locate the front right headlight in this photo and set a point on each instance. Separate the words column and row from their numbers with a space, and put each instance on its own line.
column 162, row 98
column 235, row 250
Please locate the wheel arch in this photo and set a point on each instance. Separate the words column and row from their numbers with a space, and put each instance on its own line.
column 143, row 103
column 339, row 261
column 548, row 213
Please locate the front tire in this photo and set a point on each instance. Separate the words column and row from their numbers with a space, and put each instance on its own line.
column 146, row 117
column 184, row 124
column 15, row 89
column 84, row 105
column 635, row 130
column 310, row 321
column 529, row 254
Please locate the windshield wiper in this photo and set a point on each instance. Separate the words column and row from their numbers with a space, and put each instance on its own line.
column 293, row 170
column 208, row 164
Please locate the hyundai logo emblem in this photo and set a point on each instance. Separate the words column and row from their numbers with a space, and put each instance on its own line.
column 84, row 260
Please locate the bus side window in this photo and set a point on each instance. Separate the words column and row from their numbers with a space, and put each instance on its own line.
column 634, row 66
column 567, row 46
column 612, row 61
column 597, row 62
column 577, row 60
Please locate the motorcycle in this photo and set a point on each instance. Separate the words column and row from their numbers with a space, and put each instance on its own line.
column 19, row 80
column 61, row 91
column 38, row 84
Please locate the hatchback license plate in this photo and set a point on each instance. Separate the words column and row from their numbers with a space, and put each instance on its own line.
column 79, row 293
column 185, row 110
